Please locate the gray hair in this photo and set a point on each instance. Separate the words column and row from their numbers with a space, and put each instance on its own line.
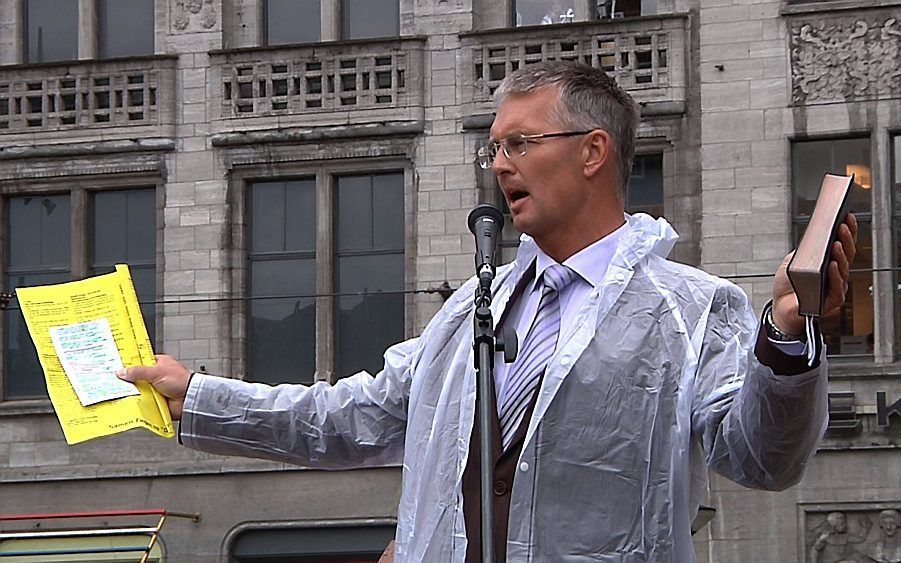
column 589, row 99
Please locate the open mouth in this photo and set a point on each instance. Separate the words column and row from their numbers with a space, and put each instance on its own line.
column 516, row 195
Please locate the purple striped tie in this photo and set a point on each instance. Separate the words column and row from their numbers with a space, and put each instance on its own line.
column 536, row 351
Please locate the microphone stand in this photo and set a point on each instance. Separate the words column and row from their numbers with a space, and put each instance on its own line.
column 485, row 222
column 483, row 340
column 485, row 345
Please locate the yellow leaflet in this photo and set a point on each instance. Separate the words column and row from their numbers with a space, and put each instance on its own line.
column 110, row 296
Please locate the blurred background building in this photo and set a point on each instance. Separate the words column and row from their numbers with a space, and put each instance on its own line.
column 289, row 181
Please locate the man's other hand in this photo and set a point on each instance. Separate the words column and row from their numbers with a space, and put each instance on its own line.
column 168, row 376
column 785, row 302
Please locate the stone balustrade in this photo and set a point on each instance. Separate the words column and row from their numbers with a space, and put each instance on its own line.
column 45, row 99
column 645, row 55
column 320, row 83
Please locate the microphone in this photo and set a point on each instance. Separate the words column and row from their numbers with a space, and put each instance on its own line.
column 485, row 222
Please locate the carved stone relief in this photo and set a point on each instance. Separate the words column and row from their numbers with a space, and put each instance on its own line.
column 846, row 58
column 845, row 536
column 192, row 15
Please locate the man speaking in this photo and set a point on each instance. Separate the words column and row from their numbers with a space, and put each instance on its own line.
column 635, row 374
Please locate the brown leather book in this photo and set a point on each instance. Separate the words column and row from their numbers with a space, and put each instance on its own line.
column 807, row 269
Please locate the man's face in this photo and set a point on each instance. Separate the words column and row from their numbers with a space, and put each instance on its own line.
column 544, row 188
column 838, row 522
column 889, row 525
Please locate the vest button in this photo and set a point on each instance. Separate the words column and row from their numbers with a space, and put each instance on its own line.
column 500, row 487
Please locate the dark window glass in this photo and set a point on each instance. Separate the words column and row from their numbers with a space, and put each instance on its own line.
column 126, row 27
column 37, row 253
column 645, row 191
column 124, row 232
column 317, row 544
column 848, row 331
column 371, row 18
column 292, row 21
column 282, row 342
column 370, row 261
column 625, row 8
column 52, row 30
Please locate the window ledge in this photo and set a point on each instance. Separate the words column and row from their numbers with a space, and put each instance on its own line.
column 835, row 6
column 858, row 368
column 26, row 407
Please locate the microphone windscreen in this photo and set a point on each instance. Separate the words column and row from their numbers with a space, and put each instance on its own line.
column 485, row 210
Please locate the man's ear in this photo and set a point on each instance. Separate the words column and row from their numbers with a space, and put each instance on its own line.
column 597, row 151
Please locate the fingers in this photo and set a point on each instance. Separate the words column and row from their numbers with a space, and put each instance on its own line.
column 847, row 237
column 851, row 222
column 840, row 257
column 838, row 287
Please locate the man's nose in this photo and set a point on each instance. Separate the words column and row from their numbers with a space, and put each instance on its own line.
column 501, row 163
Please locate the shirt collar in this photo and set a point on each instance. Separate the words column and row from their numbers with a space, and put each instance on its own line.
column 591, row 262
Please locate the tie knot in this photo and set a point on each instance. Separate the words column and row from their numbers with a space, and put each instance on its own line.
column 558, row 276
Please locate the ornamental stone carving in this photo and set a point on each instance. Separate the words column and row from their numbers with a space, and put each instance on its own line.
column 192, row 15
column 846, row 58
column 844, row 536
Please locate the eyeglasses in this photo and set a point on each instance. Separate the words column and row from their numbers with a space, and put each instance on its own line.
column 515, row 146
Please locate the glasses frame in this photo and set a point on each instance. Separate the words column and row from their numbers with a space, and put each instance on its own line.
column 485, row 155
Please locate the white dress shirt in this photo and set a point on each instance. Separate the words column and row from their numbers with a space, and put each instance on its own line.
column 590, row 264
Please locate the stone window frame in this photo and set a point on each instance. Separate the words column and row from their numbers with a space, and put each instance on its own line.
column 12, row 42
column 325, row 173
column 80, row 190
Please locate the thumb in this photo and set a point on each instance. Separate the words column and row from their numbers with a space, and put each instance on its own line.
column 136, row 373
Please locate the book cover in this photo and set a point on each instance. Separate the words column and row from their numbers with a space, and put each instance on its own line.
column 808, row 267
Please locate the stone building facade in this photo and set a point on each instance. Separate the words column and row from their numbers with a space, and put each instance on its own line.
column 250, row 167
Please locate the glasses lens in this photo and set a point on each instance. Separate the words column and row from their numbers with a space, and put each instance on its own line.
column 485, row 156
column 515, row 145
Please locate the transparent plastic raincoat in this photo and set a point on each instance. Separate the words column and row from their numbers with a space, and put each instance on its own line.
column 656, row 380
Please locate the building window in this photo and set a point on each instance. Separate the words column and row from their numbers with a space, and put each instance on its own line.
column 40, row 230
column 848, row 331
column 121, row 28
column 370, row 18
column 51, row 30
column 282, row 256
column 369, row 264
column 125, row 27
column 37, row 253
column 292, row 21
column 362, row 256
column 124, row 231
column 645, row 191
column 547, row 12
